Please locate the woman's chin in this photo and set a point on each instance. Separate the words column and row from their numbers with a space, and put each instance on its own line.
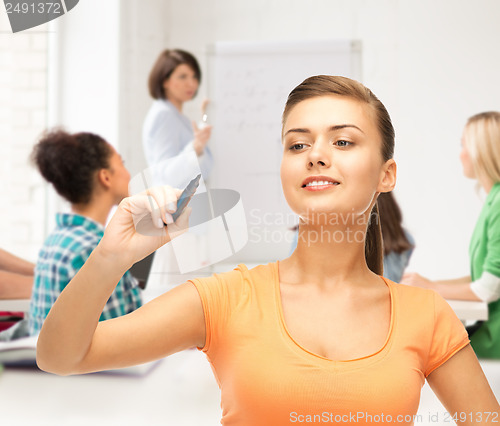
column 332, row 218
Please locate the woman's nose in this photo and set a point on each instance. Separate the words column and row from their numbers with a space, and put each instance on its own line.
column 319, row 155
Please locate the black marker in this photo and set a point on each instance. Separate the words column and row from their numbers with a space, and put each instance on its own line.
column 186, row 195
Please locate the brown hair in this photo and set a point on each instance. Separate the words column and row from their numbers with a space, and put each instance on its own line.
column 391, row 219
column 325, row 85
column 167, row 62
column 70, row 162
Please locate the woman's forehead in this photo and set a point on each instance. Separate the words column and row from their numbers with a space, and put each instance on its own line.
column 330, row 110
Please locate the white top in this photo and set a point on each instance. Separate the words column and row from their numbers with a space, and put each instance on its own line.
column 167, row 139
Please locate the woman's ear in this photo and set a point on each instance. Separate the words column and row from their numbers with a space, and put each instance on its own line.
column 104, row 178
column 387, row 180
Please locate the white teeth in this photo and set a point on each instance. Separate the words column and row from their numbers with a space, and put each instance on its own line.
column 320, row 182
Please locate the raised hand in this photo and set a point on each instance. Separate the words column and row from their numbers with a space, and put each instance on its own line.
column 141, row 224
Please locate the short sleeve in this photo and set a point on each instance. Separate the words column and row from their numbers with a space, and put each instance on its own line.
column 492, row 261
column 217, row 294
column 449, row 335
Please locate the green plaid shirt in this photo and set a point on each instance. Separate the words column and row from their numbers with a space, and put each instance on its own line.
column 63, row 254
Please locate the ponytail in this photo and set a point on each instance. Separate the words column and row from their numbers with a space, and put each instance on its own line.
column 374, row 246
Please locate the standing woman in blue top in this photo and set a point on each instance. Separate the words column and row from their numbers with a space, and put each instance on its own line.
column 175, row 148
column 88, row 173
column 480, row 157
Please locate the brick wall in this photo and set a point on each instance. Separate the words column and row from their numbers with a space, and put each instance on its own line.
column 23, row 115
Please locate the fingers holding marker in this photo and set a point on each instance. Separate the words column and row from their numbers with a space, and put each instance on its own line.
column 163, row 202
column 154, row 211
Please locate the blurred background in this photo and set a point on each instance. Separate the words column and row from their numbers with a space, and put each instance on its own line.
column 432, row 63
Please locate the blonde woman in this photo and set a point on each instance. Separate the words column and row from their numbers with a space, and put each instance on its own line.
column 480, row 157
column 319, row 334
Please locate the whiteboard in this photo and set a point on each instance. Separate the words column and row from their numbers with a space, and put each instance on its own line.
column 249, row 83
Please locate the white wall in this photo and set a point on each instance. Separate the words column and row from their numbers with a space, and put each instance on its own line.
column 87, row 43
column 144, row 27
column 23, row 97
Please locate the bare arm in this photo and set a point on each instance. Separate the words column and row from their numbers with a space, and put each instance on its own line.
column 455, row 281
column 461, row 386
column 11, row 263
column 73, row 341
column 15, row 286
column 456, row 289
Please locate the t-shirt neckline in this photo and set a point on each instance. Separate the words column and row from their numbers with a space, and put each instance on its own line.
column 289, row 338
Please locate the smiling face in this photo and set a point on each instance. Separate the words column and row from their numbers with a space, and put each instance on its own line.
column 332, row 160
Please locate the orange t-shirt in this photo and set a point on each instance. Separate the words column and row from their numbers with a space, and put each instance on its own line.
column 266, row 378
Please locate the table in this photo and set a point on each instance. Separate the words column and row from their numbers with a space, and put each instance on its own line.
column 467, row 310
column 15, row 305
column 180, row 391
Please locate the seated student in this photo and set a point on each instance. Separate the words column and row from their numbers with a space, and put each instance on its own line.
column 88, row 172
column 398, row 243
column 16, row 276
column 480, row 158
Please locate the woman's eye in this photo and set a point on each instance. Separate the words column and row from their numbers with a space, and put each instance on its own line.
column 343, row 143
column 297, row 147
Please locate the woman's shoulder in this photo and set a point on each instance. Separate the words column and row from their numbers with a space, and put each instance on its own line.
column 74, row 235
column 493, row 198
column 241, row 274
column 239, row 281
column 162, row 107
column 160, row 113
column 426, row 304
column 408, row 294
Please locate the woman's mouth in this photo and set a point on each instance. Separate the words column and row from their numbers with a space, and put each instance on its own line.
column 319, row 183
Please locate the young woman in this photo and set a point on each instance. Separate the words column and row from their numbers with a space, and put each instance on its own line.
column 480, row 157
column 317, row 334
column 175, row 149
column 87, row 172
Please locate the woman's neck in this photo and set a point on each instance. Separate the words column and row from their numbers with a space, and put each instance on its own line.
column 486, row 183
column 98, row 209
column 177, row 104
column 330, row 255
